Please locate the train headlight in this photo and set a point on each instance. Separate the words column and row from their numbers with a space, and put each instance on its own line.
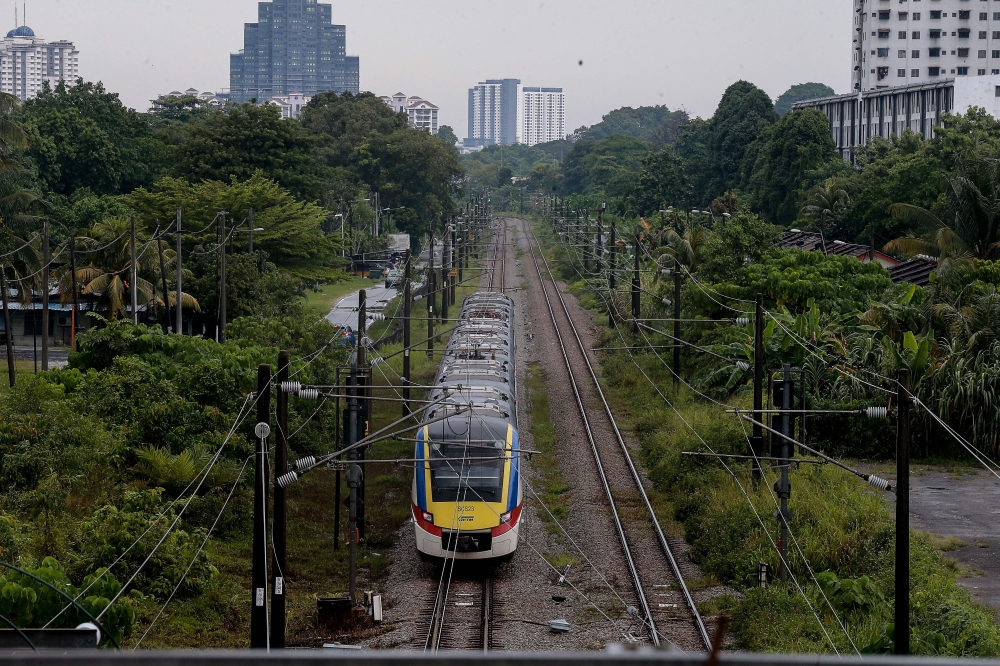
column 428, row 517
column 505, row 518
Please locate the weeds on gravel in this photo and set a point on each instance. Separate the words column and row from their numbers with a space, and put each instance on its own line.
column 551, row 487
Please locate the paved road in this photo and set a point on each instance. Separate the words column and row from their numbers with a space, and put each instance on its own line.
column 345, row 313
column 58, row 356
column 966, row 506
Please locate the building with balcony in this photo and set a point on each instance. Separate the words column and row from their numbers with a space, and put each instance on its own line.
column 293, row 48
column 543, row 115
column 494, row 113
column 27, row 62
column 420, row 113
column 902, row 43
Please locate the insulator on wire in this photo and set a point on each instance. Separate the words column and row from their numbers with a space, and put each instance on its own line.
column 742, row 321
column 743, row 365
column 308, row 394
column 877, row 482
column 666, row 271
column 291, row 386
column 366, row 342
column 288, row 479
column 305, row 463
column 667, row 302
column 877, row 412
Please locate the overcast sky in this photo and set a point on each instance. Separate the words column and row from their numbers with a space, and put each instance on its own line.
column 682, row 53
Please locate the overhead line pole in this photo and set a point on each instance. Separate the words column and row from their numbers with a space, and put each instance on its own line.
column 177, row 287
column 279, row 530
column 133, row 272
column 258, row 599
column 901, row 613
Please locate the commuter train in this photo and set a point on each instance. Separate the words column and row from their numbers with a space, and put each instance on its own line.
column 467, row 493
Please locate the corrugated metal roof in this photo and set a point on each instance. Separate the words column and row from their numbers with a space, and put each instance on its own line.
column 914, row 271
column 813, row 242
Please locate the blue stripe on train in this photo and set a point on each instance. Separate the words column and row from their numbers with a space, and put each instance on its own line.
column 420, row 474
column 513, row 486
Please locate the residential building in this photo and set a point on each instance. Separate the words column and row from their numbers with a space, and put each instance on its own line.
column 293, row 47
column 291, row 105
column 420, row 113
column 27, row 62
column 543, row 115
column 494, row 112
column 916, row 270
column 903, row 43
column 884, row 112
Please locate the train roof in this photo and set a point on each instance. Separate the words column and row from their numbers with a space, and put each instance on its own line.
column 462, row 428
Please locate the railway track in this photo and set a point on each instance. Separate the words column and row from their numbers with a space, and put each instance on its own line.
column 460, row 617
column 499, row 261
column 635, row 521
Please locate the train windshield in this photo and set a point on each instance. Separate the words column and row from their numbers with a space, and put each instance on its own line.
column 467, row 472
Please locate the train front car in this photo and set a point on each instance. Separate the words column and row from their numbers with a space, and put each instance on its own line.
column 467, row 492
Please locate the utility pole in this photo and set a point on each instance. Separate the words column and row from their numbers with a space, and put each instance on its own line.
column 677, row 325
column 431, row 298
column 133, row 272
column 258, row 607
column 45, row 294
column 406, row 334
column 353, row 479
column 250, row 243
column 758, row 386
column 222, row 279
column 451, row 266
column 279, row 529
column 635, row 289
column 177, row 288
column 363, row 386
column 75, row 316
column 462, row 251
column 612, row 265
column 8, row 333
column 600, row 240
column 163, row 280
column 901, row 644
column 783, row 486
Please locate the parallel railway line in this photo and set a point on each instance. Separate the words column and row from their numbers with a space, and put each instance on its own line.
column 633, row 524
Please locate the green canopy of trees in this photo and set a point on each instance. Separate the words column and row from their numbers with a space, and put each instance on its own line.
column 799, row 92
column 656, row 125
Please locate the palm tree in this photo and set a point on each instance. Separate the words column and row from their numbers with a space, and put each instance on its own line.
column 687, row 245
column 974, row 193
column 823, row 202
column 975, row 324
column 107, row 267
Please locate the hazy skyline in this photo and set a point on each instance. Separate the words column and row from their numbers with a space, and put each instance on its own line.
column 634, row 52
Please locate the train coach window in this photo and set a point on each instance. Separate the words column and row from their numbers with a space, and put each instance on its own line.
column 476, row 477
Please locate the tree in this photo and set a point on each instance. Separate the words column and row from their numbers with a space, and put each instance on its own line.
column 656, row 125
column 344, row 121
column 692, row 147
column 744, row 112
column 447, row 134
column 242, row 139
column 411, row 170
column 824, row 202
column 974, row 198
column 106, row 270
column 743, row 239
column 84, row 137
column 293, row 235
column 608, row 166
column 799, row 92
column 662, row 182
column 783, row 158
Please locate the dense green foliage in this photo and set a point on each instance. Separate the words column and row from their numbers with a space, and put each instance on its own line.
column 656, row 125
column 799, row 92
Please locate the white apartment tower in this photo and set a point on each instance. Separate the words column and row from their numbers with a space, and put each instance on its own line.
column 543, row 115
column 28, row 61
column 902, row 42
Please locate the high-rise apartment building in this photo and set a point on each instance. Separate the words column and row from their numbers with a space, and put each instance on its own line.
column 494, row 112
column 28, row 61
column 923, row 41
column 543, row 115
column 293, row 48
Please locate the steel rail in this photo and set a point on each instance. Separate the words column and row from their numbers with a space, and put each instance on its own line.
column 487, row 611
column 619, row 527
column 664, row 545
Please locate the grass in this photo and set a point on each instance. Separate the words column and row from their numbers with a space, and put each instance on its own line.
column 320, row 301
column 21, row 367
column 555, row 493
column 841, row 525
